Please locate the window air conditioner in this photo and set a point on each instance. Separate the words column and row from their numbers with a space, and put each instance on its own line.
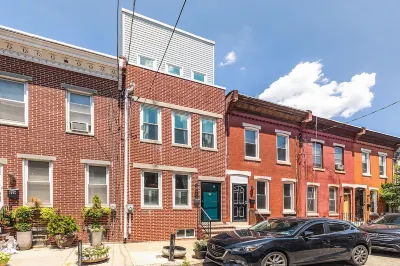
column 339, row 167
column 79, row 126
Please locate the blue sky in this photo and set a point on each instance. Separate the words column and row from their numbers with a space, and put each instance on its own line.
column 341, row 39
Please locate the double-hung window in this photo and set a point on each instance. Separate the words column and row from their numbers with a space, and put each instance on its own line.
column 181, row 129
column 282, row 148
column 150, row 128
column 339, row 166
column 312, row 199
column 198, row 76
column 13, row 103
column 366, row 164
column 174, row 70
column 151, row 189
column 251, row 143
column 332, row 199
column 317, row 155
column 262, row 196
column 208, row 133
column 382, row 164
column 147, row 62
column 97, row 183
column 182, row 191
column 38, row 176
column 80, row 113
column 288, row 196
column 374, row 201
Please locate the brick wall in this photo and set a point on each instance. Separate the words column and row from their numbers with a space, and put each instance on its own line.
column 159, row 224
column 46, row 135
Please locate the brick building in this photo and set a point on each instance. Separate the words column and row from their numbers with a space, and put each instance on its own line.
column 278, row 164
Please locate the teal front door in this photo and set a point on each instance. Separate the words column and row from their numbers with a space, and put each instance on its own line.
column 211, row 201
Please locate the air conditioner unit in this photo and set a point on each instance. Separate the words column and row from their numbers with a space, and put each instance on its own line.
column 339, row 167
column 79, row 126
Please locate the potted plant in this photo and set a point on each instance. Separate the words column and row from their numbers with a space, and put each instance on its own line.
column 200, row 249
column 22, row 216
column 63, row 229
column 94, row 214
column 95, row 254
column 4, row 258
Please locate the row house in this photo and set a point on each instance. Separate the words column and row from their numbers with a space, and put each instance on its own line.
column 286, row 162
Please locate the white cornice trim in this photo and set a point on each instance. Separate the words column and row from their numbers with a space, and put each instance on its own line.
column 278, row 131
column 318, row 140
column 374, row 188
column 257, row 177
column 211, row 178
column 354, row 185
column 333, row 185
column 159, row 167
column 291, row 180
column 365, row 150
column 251, row 126
column 176, row 107
column 95, row 162
column 313, row 184
column 35, row 157
column 339, row 145
column 236, row 172
column 382, row 154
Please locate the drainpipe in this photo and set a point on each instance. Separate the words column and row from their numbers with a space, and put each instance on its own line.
column 128, row 91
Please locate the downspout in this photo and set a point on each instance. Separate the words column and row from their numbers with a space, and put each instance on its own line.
column 303, row 161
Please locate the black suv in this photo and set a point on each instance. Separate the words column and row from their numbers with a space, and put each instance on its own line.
column 291, row 241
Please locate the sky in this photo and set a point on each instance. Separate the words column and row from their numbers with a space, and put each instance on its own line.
column 337, row 58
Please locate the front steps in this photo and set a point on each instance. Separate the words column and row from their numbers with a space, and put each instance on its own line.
column 219, row 227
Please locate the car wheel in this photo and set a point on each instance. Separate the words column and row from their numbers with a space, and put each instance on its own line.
column 359, row 255
column 274, row 259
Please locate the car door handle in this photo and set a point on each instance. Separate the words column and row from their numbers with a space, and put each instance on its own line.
column 325, row 241
column 351, row 237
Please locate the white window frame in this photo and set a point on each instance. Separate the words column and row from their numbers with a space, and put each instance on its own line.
column 322, row 154
column 88, row 201
column 214, row 132
column 257, row 131
column 292, row 195
column 266, row 210
column 375, row 202
column 286, row 136
column 147, row 57
column 159, row 133
column 173, row 65
column 181, row 207
column 160, row 190
column 67, row 100
column 335, row 198
column 25, row 181
column 176, row 233
column 368, row 152
column 384, row 156
column 189, row 130
column 205, row 76
column 341, row 147
column 26, row 111
column 315, row 200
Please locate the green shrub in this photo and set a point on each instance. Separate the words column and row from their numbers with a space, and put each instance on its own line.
column 22, row 216
column 46, row 214
column 4, row 257
column 95, row 213
column 23, row 227
column 62, row 225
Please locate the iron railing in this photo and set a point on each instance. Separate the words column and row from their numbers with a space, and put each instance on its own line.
column 357, row 221
column 259, row 217
column 205, row 222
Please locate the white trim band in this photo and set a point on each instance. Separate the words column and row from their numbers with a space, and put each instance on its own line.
column 291, row 180
column 236, row 172
column 258, row 177
column 365, row 150
column 374, row 188
column 95, row 162
column 333, row 185
column 312, row 184
column 211, row 178
column 278, row 131
column 339, row 145
column 35, row 157
column 354, row 186
column 251, row 126
column 382, row 153
column 318, row 140
column 159, row 167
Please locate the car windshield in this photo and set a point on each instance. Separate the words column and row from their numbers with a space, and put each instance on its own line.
column 388, row 219
column 280, row 226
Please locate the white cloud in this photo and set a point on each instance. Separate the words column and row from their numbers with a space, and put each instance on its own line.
column 305, row 87
column 243, row 68
column 230, row 59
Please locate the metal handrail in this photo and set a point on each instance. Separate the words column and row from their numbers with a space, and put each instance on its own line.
column 259, row 214
column 206, row 225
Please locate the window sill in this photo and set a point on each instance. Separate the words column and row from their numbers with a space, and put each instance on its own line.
column 382, row 176
column 252, row 159
column 187, row 208
column 79, row 133
column 288, row 212
column 208, row 149
column 367, row 175
column 319, row 169
column 340, row 172
column 2, row 122
column 151, row 208
column 182, row 145
column 284, row 163
column 333, row 214
column 312, row 214
column 151, row 141
column 263, row 212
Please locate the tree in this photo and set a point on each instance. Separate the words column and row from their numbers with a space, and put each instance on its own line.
column 390, row 192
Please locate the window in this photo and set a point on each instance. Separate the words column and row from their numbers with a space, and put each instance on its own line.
column 182, row 191
column 151, row 189
column 374, row 201
column 382, row 165
column 338, row 158
column 208, row 133
column 312, row 199
column 282, row 148
column 198, row 76
column 337, row 227
column 150, row 123
column 181, row 129
column 97, row 183
column 317, row 155
column 175, row 70
column 185, row 233
column 332, row 199
column 365, row 163
column 317, row 229
column 147, row 62
column 80, row 113
column 288, row 196
column 262, row 195
column 251, row 143
column 38, row 181
column 13, row 102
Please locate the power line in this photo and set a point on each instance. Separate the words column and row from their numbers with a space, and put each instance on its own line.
column 130, row 34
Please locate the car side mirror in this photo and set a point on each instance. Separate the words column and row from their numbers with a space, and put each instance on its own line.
column 307, row 234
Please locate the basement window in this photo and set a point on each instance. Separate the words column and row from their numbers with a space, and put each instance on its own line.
column 184, row 233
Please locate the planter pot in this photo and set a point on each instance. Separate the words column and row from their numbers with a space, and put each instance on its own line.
column 24, row 240
column 64, row 241
column 200, row 254
column 179, row 252
column 96, row 238
column 3, row 263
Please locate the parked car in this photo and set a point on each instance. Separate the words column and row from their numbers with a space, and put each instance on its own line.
column 384, row 232
column 291, row 241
